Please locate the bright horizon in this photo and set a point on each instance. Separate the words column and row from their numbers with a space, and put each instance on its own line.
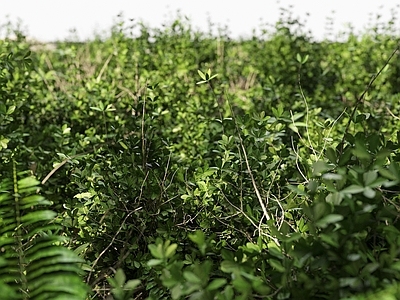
column 50, row 20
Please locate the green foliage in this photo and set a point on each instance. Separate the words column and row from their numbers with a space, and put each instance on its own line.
column 122, row 289
column 202, row 167
column 34, row 264
column 14, row 64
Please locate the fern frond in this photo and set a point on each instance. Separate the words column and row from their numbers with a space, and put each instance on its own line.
column 33, row 262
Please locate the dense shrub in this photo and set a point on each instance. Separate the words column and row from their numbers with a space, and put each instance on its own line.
column 203, row 167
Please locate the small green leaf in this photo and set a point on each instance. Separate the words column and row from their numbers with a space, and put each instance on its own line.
column 229, row 266
column 86, row 195
column 81, row 248
column 10, row 110
column 4, row 142
column 334, row 198
column 202, row 75
column 27, row 54
column 228, row 292
column 110, row 107
column 378, row 182
column 170, row 251
column 329, row 219
column 212, row 77
column 156, row 251
column 216, row 284
column 369, row 193
column 123, row 145
column 293, row 127
column 66, row 130
column 345, row 157
column 276, row 252
column 293, row 237
column 201, row 82
column 331, row 155
column 154, row 262
column 276, row 265
column 250, row 247
column 298, row 57
column 332, row 176
column 353, row 189
column 386, row 173
column 120, row 277
column 360, row 151
column 312, row 186
column 260, row 286
column 301, row 60
column 131, row 284
column 321, row 209
column 241, row 285
column 176, row 292
column 369, row 177
column 330, row 239
column 3, row 108
column 198, row 237
column 191, row 277
column 370, row 268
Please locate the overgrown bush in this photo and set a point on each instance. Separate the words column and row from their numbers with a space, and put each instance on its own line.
column 183, row 165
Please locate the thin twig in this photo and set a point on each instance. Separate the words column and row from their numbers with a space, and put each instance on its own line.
column 307, row 112
column 55, row 169
column 390, row 113
column 361, row 98
column 110, row 244
column 104, row 68
column 253, row 181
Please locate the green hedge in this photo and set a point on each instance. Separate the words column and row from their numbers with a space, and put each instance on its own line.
column 272, row 179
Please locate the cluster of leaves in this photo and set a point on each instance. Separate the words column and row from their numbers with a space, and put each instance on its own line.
column 206, row 168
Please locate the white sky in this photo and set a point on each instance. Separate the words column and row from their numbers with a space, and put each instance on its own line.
column 49, row 20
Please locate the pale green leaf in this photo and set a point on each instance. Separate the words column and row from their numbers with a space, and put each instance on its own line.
column 329, row 219
column 353, row 189
column 191, row 277
column 154, row 262
column 10, row 109
column 170, row 251
column 216, row 284
column 120, row 277
column 86, row 195
column 202, row 75
column 131, row 284
column 370, row 177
